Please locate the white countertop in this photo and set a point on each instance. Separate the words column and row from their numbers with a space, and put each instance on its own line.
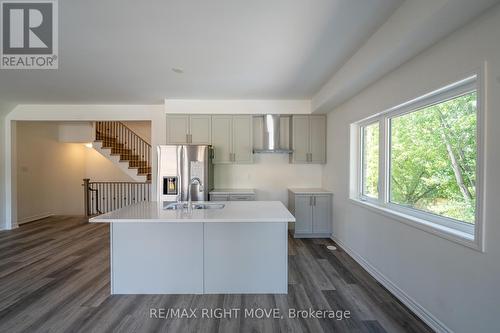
column 234, row 211
column 309, row 190
column 233, row 191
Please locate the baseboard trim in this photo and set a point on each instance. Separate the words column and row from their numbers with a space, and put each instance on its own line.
column 416, row 308
column 34, row 218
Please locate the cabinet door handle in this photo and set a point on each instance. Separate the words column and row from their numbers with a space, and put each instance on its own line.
column 314, row 201
column 310, row 201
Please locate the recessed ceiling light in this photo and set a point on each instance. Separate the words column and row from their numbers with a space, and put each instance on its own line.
column 177, row 70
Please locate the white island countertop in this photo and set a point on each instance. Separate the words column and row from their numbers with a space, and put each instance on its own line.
column 234, row 211
column 309, row 190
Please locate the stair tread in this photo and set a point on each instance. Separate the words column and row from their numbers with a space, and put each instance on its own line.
column 106, row 136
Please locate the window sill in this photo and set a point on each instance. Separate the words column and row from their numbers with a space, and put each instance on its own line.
column 439, row 230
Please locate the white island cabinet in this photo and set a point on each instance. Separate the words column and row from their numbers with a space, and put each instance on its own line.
column 241, row 248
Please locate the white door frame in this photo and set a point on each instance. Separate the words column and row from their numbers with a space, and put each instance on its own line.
column 153, row 113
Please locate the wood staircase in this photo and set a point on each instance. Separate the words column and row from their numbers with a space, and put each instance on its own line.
column 126, row 144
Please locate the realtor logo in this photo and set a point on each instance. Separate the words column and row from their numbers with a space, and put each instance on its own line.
column 29, row 34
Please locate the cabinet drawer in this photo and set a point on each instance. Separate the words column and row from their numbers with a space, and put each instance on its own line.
column 219, row 197
column 241, row 197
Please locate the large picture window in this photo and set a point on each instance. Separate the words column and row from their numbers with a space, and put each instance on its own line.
column 420, row 160
column 433, row 158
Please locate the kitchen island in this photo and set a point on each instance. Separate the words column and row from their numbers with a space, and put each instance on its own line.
column 240, row 248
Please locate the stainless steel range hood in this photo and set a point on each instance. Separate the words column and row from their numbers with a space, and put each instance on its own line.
column 271, row 139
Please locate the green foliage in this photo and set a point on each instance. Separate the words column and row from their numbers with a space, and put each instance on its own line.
column 433, row 158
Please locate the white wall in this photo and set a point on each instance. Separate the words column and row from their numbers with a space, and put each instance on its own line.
column 76, row 132
column 271, row 182
column 456, row 285
column 2, row 172
column 270, row 175
column 153, row 113
column 4, row 110
column 50, row 172
column 237, row 106
column 99, row 168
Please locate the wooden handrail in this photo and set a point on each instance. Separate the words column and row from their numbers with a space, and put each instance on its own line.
column 126, row 142
column 135, row 133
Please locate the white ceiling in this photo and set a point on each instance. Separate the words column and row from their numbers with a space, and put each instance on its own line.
column 122, row 52
column 415, row 26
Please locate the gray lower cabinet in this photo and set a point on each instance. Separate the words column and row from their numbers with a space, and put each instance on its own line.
column 232, row 197
column 219, row 197
column 242, row 197
column 312, row 212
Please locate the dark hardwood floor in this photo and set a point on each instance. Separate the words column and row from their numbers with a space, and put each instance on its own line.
column 54, row 277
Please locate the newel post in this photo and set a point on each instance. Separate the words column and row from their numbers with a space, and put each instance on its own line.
column 86, row 196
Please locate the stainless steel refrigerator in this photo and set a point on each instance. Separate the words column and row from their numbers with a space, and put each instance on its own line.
column 178, row 165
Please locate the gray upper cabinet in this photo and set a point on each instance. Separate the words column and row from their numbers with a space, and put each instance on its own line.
column 300, row 139
column 242, row 139
column 317, row 139
column 308, row 139
column 195, row 129
column 221, row 138
column 177, row 129
column 200, row 129
column 232, row 138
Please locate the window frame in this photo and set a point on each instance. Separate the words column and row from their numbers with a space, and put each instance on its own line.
column 363, row 196
column 470, row 235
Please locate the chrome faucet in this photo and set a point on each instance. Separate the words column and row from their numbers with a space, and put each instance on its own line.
column 194, row 180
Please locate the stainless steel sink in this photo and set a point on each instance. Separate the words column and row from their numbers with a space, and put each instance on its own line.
column 176, row 206
column 185, row 205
